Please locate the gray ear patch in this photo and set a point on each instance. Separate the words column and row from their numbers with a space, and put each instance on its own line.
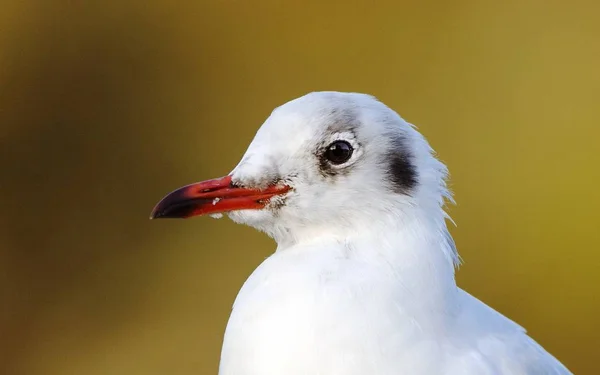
column 399, row 167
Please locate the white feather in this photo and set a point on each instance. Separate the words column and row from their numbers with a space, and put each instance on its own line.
column 362, row 281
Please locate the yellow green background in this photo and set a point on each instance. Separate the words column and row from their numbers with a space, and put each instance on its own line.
column 105, row 106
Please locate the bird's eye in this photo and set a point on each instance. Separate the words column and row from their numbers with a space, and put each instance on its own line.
column 339, row 152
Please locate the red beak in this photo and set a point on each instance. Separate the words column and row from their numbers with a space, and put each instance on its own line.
column 213, row 196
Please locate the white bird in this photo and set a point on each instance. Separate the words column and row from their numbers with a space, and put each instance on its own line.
column 362, row 280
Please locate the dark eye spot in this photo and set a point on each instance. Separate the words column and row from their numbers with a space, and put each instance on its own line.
column 401, row 171
column 339, row 152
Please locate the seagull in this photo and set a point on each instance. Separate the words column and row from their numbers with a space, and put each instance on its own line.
column 363, row 277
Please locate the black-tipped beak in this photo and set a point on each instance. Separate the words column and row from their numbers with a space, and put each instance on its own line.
column 213, row 196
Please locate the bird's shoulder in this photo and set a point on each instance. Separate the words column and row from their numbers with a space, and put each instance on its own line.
column 491, row 343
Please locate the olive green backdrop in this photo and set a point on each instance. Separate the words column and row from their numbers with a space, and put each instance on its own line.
column 105, row 106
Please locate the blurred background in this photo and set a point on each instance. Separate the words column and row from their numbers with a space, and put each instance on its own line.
column 105, row 106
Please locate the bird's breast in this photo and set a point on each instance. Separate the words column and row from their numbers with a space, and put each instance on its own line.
column 320, row 314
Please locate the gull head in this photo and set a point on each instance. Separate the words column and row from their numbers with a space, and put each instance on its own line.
column 325, row 163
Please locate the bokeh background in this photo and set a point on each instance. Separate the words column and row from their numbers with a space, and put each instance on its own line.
column 105, row 106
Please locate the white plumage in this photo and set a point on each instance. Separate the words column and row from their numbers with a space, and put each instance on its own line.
column 362, row 281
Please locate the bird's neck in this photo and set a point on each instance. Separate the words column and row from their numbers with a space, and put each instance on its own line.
column 414, row 251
